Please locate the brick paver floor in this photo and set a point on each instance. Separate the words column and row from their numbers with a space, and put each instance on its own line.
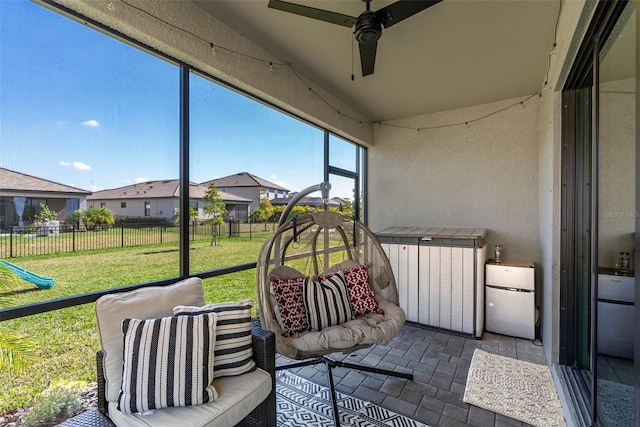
column 440, row 363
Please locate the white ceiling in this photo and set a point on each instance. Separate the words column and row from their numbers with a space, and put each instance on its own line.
column 456, row 53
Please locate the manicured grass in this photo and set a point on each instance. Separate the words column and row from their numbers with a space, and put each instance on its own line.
column 67, row 339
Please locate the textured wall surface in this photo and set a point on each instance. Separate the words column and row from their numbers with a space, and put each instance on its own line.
column 481, row 175
column 550, row 200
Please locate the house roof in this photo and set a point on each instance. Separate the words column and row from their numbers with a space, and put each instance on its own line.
column 18, row 181
column 161, row 189
column 244, row 179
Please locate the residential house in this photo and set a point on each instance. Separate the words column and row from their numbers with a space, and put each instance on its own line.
column 22, row 194
column 161, row 200
column 249, row 186
column 315, row 202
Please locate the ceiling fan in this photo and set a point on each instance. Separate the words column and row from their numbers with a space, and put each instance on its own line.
column 368, row 26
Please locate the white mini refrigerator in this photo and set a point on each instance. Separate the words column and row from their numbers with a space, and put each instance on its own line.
column 510, row 302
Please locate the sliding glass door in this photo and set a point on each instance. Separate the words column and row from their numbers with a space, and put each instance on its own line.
column 616, row 216
column 599, row 220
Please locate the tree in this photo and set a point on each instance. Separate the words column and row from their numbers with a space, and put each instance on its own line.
column 16, row 352
column 46, row 214
column 79, row 216
column 347, row 207
column 264, row 211
column 193, row 214
column 277, row 212
column 214, row 211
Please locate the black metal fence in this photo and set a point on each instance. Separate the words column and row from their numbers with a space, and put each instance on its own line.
column 32, row 241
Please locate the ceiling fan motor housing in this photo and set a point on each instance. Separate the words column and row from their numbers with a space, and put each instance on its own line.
column 368, row 28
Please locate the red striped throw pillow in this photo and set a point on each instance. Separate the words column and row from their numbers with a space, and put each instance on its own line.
column 361, row 295
column 167, row 362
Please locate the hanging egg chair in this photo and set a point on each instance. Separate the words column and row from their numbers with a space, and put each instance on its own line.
column 302, row 273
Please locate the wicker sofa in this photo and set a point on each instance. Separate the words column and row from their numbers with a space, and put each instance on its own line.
column 246, row 399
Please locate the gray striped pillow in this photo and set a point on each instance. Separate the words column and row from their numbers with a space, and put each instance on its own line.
column 234, row 343
column 167, row 362
column 327, row 301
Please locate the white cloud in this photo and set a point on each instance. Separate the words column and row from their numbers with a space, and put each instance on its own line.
column 63, row 163
column 91, row 123
column 140, row 179
column 81, row 166
column 274, row 178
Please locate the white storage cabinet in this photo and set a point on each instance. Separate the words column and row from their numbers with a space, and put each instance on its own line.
column 440, row 275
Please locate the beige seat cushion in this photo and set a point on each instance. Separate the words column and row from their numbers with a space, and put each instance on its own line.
column 146, row 303
column 238, row 396
column 366, row 330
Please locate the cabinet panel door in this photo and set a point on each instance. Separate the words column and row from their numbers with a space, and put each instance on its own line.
column 424, row 274
column 457, row 288
column 434, row 285
column 413, row 307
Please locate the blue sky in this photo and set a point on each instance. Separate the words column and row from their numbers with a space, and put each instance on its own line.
column 83, row 109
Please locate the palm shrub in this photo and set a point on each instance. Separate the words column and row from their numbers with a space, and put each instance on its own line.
column 98, row 218
column 16, row 352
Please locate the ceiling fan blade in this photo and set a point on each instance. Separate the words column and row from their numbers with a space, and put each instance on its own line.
column 401, row 10
column 312, row 12
column 368, row 57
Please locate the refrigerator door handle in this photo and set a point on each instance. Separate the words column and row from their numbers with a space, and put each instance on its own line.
column 509, row 289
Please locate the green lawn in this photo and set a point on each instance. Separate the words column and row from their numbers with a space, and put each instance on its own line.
column 67, row 339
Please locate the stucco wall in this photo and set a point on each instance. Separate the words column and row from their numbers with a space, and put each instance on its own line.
column 549, row 196
column 481, row 175
column 160, row 208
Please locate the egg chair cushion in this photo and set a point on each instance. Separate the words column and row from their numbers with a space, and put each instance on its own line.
column 372, row 328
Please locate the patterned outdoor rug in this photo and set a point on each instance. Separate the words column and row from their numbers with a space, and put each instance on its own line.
column 300, row 402
column 514, row 388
